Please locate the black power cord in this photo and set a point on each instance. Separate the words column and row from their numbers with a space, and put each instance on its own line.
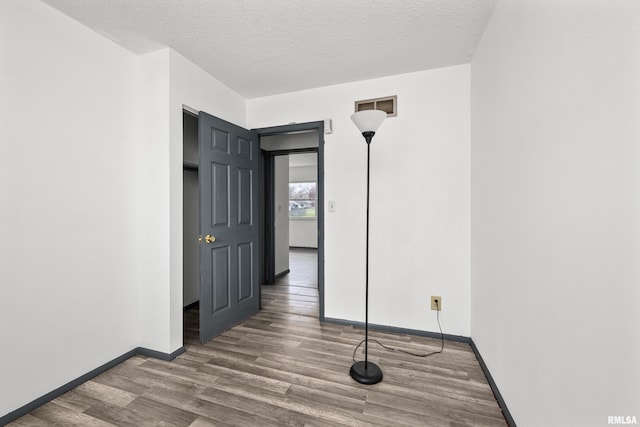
column 399, row 350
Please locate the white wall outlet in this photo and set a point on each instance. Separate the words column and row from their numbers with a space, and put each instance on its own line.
column 436, row 303
column 332, row 206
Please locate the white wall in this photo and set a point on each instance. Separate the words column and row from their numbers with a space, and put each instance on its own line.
column 68, row 157
column 92, row 179
column 281, row 213
column 303, row 233
column 555, row 207
column 153, row 204
column 419, row 196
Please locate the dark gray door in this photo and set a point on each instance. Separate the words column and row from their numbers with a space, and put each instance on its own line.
column 229, row 252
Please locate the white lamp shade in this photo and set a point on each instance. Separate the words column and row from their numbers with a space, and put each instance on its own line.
column 368, row 120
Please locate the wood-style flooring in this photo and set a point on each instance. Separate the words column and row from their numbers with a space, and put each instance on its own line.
column 283, row 367
column 303, row 264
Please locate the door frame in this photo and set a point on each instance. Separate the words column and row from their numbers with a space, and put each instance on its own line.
column 267, row 209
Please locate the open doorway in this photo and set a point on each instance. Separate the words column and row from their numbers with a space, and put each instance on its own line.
column 191, row 219
column 293, row 224
column 296, row 229
column 303, row 220
column 293, row 288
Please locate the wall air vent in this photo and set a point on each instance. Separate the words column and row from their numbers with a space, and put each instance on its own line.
column 388, row 104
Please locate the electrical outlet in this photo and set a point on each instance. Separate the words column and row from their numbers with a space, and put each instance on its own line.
column 436, row 303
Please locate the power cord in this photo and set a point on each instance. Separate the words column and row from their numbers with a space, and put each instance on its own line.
column 399, row 350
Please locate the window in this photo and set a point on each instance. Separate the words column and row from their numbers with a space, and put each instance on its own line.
column 302, row 199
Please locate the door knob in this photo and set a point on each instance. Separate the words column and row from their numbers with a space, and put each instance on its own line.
column 209, row 238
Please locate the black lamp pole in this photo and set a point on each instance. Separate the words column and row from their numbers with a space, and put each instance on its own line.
column 366, row 372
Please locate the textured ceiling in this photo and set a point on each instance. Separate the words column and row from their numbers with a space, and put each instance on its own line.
column 259, row 47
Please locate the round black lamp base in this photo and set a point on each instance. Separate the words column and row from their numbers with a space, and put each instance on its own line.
column 372, row 374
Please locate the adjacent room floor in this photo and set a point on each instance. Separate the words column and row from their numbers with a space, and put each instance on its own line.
column 303, row 266
column 283, row 367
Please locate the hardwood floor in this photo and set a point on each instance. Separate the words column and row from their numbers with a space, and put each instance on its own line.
column 303, row 264
column 282, row 367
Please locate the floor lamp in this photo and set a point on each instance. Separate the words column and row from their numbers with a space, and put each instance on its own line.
column 366, row 372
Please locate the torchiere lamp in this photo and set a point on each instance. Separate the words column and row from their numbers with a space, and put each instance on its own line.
column 366, row 372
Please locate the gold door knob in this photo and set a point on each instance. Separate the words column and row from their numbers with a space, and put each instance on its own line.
column 209, row 238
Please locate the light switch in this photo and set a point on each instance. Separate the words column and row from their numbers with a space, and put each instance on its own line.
column 332, row 206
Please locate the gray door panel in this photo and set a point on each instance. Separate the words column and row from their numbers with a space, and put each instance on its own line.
column 228, row 164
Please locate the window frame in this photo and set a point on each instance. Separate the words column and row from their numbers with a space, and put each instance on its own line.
column 305, row 218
